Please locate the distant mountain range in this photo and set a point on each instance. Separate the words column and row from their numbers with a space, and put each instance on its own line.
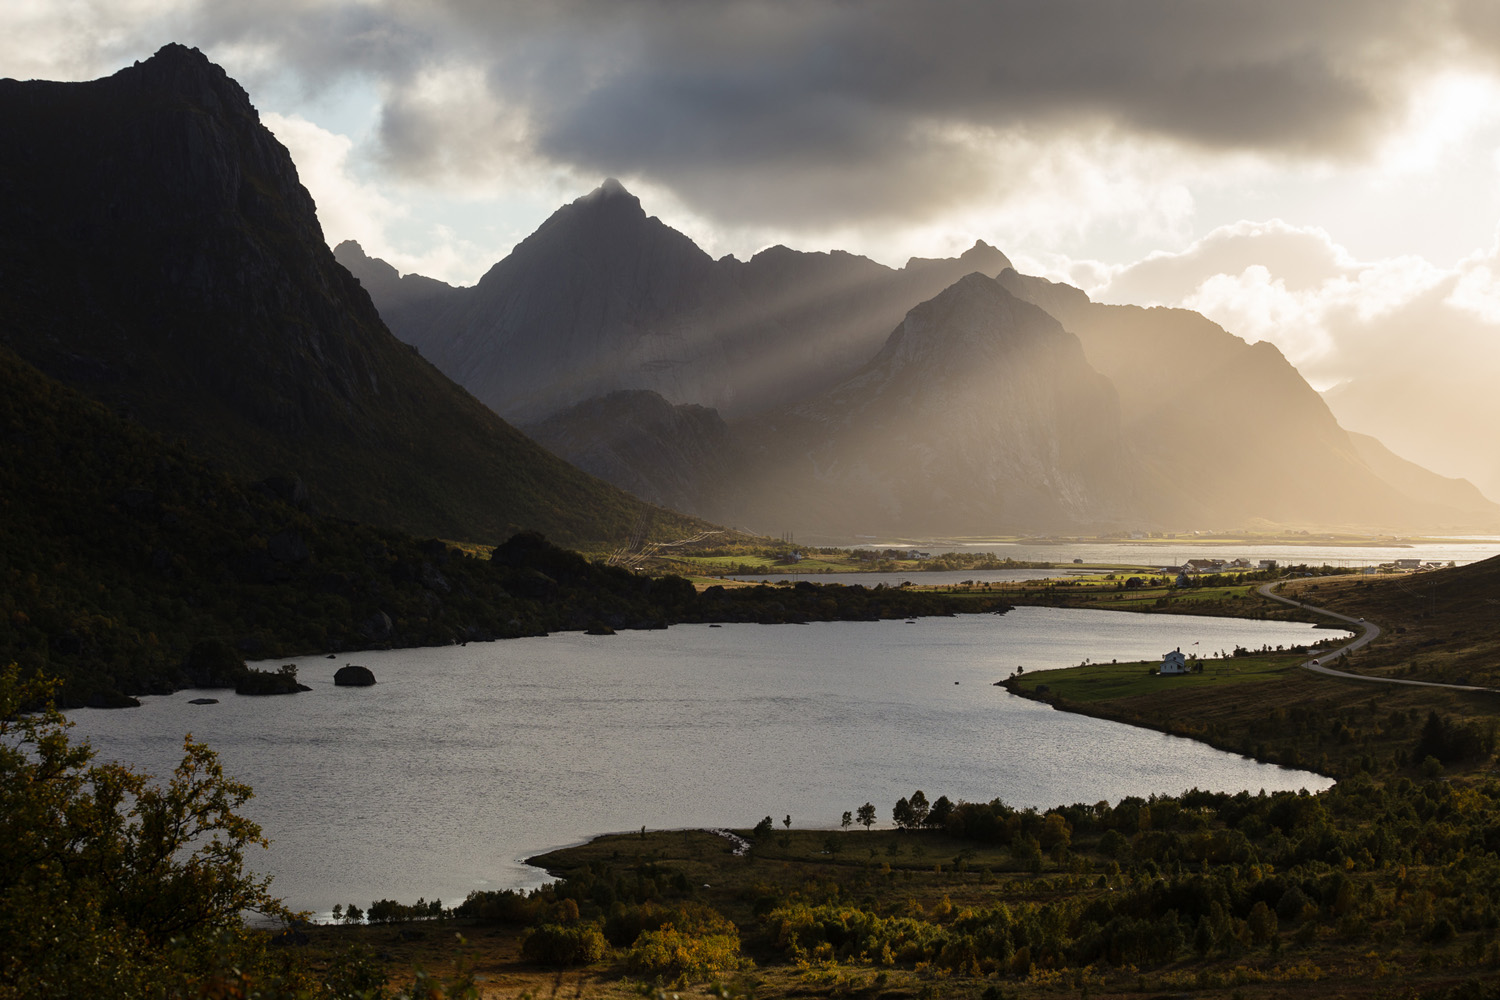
column 827, row 393
column 158, row 253
column 603, row 297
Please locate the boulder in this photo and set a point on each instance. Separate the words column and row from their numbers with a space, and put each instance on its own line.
column 377, row 626
column 353, row 675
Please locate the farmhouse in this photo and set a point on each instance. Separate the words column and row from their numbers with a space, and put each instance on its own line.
column 1173, row 663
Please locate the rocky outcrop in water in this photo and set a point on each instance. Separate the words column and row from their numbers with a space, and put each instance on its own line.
column 353, row 675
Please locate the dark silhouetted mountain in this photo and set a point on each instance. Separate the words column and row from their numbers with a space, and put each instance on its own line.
column 1229, row 432
column 682, row 457
column 392, row 292
column 979, row 412
column 158, row 252
column 603, row 297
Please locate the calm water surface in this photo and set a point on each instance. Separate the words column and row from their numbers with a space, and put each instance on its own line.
column 463, row 760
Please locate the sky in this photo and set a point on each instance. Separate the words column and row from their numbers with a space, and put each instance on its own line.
column 1323, row 174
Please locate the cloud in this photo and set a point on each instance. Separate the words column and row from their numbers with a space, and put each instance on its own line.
column 807, row 114
column 1406, row 349
column 80, row 39
column 351, row 208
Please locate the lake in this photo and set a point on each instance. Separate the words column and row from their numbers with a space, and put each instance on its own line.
column 463, row 760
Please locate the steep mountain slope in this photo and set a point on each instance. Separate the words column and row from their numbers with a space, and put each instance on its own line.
column 1418, row 483
column 393, row 293
column 158, row 252
column 683, row 457
column 979, row 413
column 602, row 297
column 1229, row 431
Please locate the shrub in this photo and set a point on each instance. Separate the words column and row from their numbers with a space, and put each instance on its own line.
column 556, row 945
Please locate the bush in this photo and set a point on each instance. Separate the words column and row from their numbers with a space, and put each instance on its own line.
column 557, row 945
column 112, row 882
column 692, row 942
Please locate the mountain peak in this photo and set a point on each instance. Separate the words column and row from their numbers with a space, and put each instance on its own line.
column 610, row 190
column 179, row 69
column 983, row 257
column 979, row 257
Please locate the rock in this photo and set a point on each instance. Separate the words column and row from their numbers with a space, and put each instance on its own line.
column 377, row 626
column 204, row 701
column 353, row 675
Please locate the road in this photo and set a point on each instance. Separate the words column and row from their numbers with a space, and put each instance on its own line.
column 1368, row 632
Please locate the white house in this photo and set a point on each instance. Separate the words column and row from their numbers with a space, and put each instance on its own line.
column 1173, row 663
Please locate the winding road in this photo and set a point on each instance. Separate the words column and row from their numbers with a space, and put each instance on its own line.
column 1368, row 632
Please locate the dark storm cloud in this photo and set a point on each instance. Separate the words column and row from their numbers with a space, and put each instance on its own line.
column 836, row 107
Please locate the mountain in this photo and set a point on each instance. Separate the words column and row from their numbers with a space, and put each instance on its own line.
column 602, row 297
column 392, row 292
column 979, row 411
column 684, row 457
column 982, row 413
column 158, row 252
column 1417, row 483
column 1231, row 434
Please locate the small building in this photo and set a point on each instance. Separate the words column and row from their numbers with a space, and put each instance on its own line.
column 1173, row 663
column 1268, row 564
column 1408, row 563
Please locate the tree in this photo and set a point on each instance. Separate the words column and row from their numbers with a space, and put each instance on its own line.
column 902, row 814
column 941, row 810
column 847, row 821
column 867, row 816
column 919, row 808
column 107, row 876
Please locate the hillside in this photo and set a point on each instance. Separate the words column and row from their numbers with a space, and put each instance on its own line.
column 158, row 253
column 684, row 457
column 1439, row 625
